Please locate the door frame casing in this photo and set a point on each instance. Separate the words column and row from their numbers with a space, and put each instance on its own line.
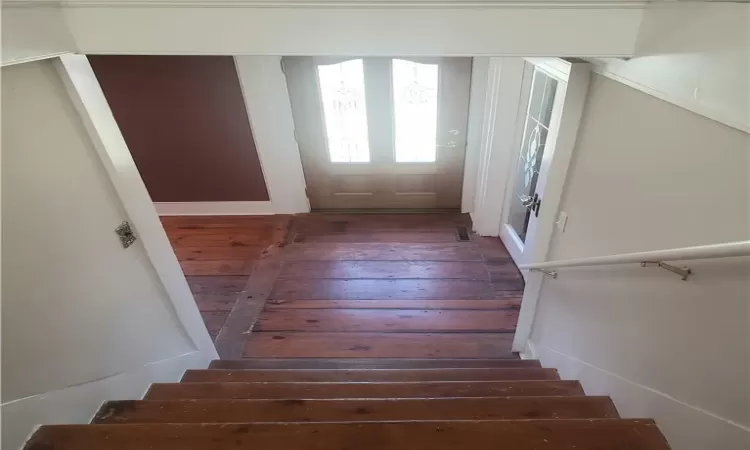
column 560, row 70
column 578, row 75
column 448, row 168
column 498, row 154
column 495, row 151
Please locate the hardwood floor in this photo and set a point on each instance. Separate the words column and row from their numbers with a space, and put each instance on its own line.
column 218, row 254
column 349, row 286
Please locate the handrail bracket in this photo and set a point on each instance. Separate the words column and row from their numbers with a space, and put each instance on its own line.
column 683, row 272
column 551, row 273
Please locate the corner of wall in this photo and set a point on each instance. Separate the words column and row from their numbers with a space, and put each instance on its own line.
column 78, row 404
column 685, row 426
column 33, row 33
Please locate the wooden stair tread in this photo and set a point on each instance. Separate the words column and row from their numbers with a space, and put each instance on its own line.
column 486, row 305
column 354, row 410
column 357, row 344
column 277, row 390
column 372, row 375
column 578, row 434
column 369, row 363
column 388, row 320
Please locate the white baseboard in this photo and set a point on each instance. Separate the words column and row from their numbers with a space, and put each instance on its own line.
column 529, row 351
column 686, row 427
column 215, row 208
column 78, row 404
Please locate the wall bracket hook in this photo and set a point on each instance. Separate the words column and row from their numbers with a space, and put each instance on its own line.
column 551, row 273
column 683, row 272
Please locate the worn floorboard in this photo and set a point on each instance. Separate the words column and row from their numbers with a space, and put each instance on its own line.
column 377, row 345
column 472, row 270
column 383, row 252
column 316, row 288
column 218, row 254
column 404, row 305
column 388, row 320
column 349, row 285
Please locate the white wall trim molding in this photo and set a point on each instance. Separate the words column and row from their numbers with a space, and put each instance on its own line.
column 215, row 208
column 34, row 58
column 77, row 404
column 342, row 27
column 555, row 4
column 503, row 94
column 270, row 112
column 477, row 94
column 605, row 67
column 31, row 34
column 91, row 105
column 355, row 30
column 680, row 422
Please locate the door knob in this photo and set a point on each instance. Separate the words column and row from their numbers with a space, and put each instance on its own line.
column 535, row 204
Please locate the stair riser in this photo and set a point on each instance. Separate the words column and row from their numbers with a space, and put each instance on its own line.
column 369, row 375
column 588, row 434
column 345, row 363
column 361, row 390
column 230, row 411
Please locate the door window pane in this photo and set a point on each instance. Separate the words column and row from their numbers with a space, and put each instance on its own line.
column 342, row 91
column 415, row 110
column 536, row 127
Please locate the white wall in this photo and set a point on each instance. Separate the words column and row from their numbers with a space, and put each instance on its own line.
column 649, row 175
column 34, row 33
column 696, row 55
column 384, row 29
column 270, row 113
column 269, row 110
column 83, row 319
column 479, row 74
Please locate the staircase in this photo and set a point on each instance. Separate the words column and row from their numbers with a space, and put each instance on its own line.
column 361, row 404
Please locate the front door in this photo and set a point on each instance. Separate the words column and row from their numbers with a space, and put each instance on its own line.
column 543, row 96
column 381, row 133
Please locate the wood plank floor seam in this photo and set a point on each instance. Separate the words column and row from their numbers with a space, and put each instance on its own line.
column 349, row 285
column 389, row 332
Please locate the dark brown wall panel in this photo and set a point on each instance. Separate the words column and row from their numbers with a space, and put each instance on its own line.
column 185, row 122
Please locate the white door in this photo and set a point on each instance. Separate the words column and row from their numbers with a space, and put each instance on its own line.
column 544, row 87
column 381, row 133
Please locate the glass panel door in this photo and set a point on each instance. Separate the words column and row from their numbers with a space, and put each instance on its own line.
column 342, row 94
column 543, row 98
column 415, row 111
column 533, row 143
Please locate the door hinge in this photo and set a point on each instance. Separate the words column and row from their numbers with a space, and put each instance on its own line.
column 296, row 139
column 283, row 67
column 307, row 193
